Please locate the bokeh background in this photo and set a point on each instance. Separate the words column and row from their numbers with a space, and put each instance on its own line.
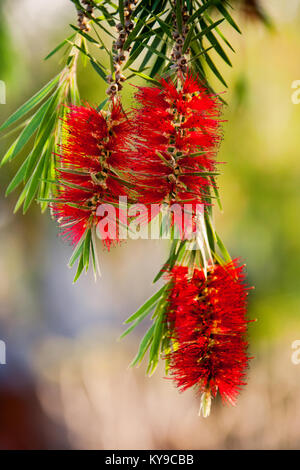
column 66, row 384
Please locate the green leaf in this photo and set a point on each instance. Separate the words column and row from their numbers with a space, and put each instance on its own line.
column 200, row 11
column 45, row 130
column 157, row 337
column 89, row 55
column 94, row 259
column 133, row 34
column 44, row 133
column 146, row 306
column 148, row 56
column 25, row 135
column 215, row 70
column 133, row 56
column 145, row 343
column 102, row 104
column 18, row 178
column 167, row 28
column 219, row 32
column 136, row 323
column 108, row 16
column 158, row 53
column 214, row 42
column 57, row 48
column 121, row 11
column 216, row 191
column 104, row 29
column 86, row 249
column 77, row 252
column 98, row 69
column 159, row 63
column 188, row 39
column 206, row 30
column 84, row 35
column 210, row 232
column 175, row 252
column 223, row 250
column 30, row 104
column 146, row 77
column 73, row 91
column 198, row 65
column 21, row 198
column 45, row 188
column 179, row 15
column 77, row 4
column 80, row 268
column 226, row 15
column 34, row 182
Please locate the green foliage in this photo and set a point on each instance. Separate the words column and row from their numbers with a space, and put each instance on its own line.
column 149, row 44
column 46, row 110
column 156, row 339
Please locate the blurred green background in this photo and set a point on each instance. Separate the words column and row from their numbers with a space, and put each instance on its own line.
column 66, row 383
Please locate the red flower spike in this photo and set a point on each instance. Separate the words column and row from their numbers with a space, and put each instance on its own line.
column 207, row 318
column 95, row 144
column 178, row 132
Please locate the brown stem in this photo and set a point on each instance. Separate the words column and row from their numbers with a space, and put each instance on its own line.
column 83, row 19
column 119, row 51
column 177, row 55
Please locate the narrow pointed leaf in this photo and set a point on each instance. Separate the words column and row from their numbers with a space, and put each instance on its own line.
column 136, row 323
column 34, row 182
column 25, row 135
column 121, row 11
column 148, row 304
column 18, row 178
column 145, row 343
column 214, row 42
column 229, row 18
column 57, row 48
column 98, row 69
column 215, row 70
column 86, row 249
column 80, row 268
column 77, row 251
column 30, row 104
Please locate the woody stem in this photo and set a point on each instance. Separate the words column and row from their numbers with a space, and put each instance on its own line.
column 120, row 50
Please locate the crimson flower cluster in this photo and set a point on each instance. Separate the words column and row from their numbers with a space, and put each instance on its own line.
column 207, row 320
column 167, row 149
column 178, row 129
column 93, row 152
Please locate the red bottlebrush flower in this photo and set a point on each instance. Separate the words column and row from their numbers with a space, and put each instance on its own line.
column 178, row 132
column 95, row 145
column 207, row 317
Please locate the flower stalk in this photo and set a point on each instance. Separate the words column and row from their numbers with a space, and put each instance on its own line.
column 124, row 28
column 84, row 14
column 178, row 54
